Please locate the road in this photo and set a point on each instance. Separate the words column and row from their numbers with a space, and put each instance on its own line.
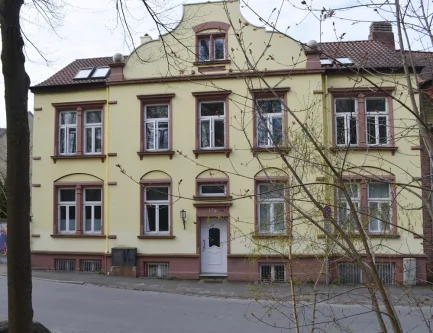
column 72, row 308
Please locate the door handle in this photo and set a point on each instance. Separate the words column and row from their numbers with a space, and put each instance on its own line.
column 204, row 244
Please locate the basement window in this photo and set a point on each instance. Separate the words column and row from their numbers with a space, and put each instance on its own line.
column 83, row 73
column 101, row 73
column 272, row 273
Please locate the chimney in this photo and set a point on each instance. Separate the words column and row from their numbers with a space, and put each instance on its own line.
column 145, row 39
column 382, row 32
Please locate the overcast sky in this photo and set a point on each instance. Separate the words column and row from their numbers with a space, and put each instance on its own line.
column 89, row 28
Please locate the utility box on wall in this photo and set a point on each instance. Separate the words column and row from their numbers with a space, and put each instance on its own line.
column 123, row 261
column 123, row 256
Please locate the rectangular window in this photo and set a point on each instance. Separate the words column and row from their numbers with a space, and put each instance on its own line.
column 271, row 208
column 212, row 125
column 93, row 132
column 204, row 49
column 156, row 209
column 376, row 111
column 345, row 216
column 211, row 48
column 66, row 210
column 350, row 273
column 156, row 127
column 269, row 122
column 346, row 121
column 67, row 132
column 212, row 189
column 379, row 207
column 272, row 273
column 219, row 48
column 92, row 210
column 385, row 272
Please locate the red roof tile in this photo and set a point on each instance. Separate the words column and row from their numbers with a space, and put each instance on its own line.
column 363, row 53
column 66, row 75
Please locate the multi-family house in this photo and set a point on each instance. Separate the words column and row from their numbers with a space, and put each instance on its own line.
column 174, row 152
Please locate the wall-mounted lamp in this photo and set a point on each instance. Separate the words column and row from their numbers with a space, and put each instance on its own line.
column 183, row 217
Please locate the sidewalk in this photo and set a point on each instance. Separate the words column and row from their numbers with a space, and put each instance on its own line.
column 420, row 295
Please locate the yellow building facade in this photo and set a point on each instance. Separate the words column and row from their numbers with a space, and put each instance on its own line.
column 174, row 152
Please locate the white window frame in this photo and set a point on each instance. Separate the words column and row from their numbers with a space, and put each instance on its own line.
column 271, row 202
column 268, row 118
column 156, row 203
column 66, row 128
column 212, row 194
column 211, row 120
column 155, row 122
column 92, row 204
column 355, row 201
column 66, row 204
column 378, row 201
column 347, row 117
column 93, row 127
column 376, row 116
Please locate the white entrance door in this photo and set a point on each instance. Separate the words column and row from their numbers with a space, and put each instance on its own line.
column 214, row 246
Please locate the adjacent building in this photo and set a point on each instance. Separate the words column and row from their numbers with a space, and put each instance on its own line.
column 173, row 151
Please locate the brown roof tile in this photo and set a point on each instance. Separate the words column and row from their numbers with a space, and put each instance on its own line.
column 363, row 53
column 66, row 75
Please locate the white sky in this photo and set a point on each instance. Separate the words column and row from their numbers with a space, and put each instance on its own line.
column 89, row 28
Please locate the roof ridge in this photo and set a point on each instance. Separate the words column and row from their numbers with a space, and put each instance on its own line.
column 353, row 41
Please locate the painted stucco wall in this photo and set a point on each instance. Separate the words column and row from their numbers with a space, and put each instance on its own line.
column 122, row 136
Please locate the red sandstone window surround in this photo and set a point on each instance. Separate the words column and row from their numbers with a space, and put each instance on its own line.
column 271, row 209
column 156, row 209
column 212, row 122
column 78, row 209
column 363, row 119
column 79, row 130
column 269, row 119
column 212, row 189
column 375, row 201
column 211, row 43
column 156, row 125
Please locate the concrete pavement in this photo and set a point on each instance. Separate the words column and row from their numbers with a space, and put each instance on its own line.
column 73, row 308
column 333, row 294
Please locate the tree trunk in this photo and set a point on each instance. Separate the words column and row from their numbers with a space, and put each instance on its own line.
column 17, row 83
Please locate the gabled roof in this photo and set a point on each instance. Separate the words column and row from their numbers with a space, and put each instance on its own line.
column 66, row 75
column 363, row 53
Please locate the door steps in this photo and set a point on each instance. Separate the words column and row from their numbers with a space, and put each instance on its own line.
column 213, row 278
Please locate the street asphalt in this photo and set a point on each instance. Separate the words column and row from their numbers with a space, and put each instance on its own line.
column 82, row 308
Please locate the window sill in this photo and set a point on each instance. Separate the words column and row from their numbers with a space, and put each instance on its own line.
column 370, row 235
column 270, row 236
column 212, row 62
column 156, row 237
column 212, row 198
column 391, row 149
column 197, row 152
column 82, row 236
column 77, row 157
column 168, row 153
column 284, row 150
